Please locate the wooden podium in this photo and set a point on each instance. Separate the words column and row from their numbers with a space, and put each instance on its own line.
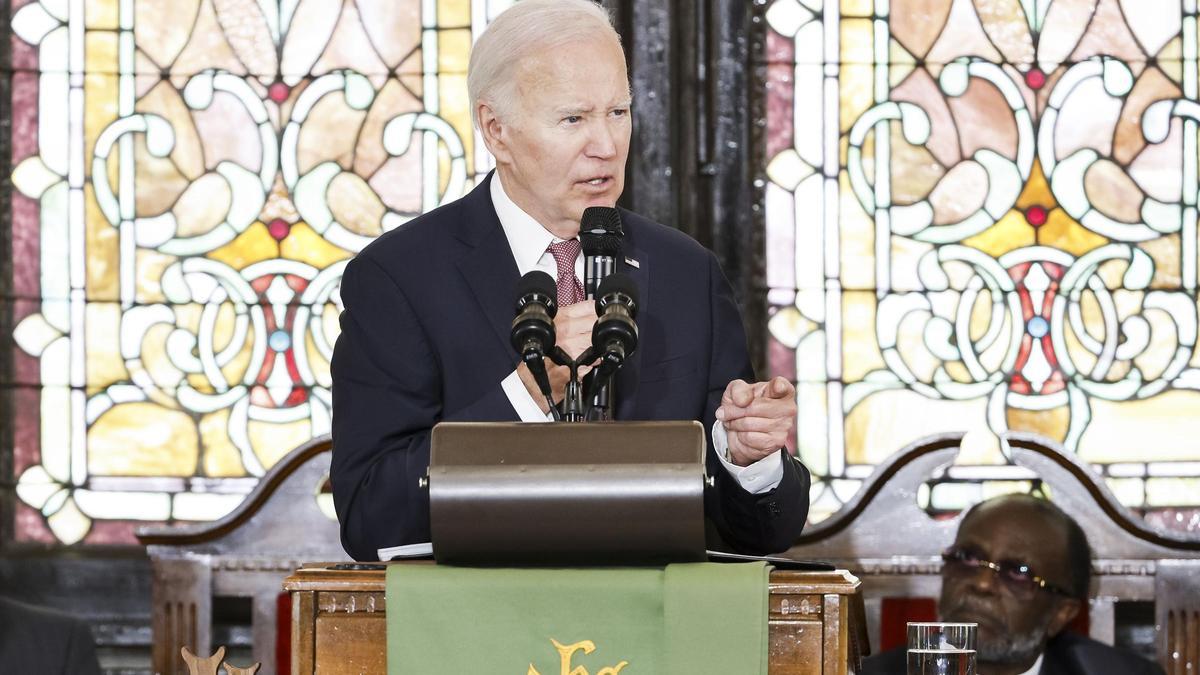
column 816, row 621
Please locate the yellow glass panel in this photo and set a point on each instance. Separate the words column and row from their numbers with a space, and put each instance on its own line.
column 860, row 351
column 254, row 245
column 154, row 357
column 454, row 46
column 100, row 55
column 102, row 15
column 788, row 325
column 857, row 236
column 1165, row 253
column 1036, row 191
column 166, row 101
column 453, row 13
column 915, row 171
column 221, row 458
column 158, row 180
column 1049, row 423
column 200, row 383
column 958, row 371
column 235, row 370
column 856, row 92
column 981, row 316
column 305, row 245
column 456, row 109
column 857, row 41
column 905, row 257
column 272, row 441
column 857, row 7
column 102, row 242
column 901, row 63
column 203, row 205
column 103, row 325
column 223, row 326
column 886, row 421
column 1061, row 231
column 355, row 205
column 328, row 134
column 910, row 342
column 142, row 439
column 188, row 316
column 1170, row 60
column 1008, row 234
column 1162, row 428
column 150, row 267
column 99, row 88
column 318, row 364
column 391, row 100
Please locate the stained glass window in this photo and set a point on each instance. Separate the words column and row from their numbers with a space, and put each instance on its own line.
column 192, row 176
column 981, row 216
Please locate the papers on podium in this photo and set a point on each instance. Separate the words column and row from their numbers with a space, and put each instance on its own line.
column 406, row 552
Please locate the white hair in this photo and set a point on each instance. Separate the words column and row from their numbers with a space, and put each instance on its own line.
column 527, row 27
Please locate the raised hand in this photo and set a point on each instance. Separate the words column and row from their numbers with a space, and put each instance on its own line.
column 757, row 417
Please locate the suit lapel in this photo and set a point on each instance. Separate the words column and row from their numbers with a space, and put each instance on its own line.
column 489, row 267
column 627, row 377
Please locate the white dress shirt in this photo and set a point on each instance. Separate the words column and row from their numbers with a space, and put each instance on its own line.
column 529, row 242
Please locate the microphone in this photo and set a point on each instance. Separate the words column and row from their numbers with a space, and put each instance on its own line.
column 600, row 235
column 615, row 334
column 533, row 328
column 614, row 338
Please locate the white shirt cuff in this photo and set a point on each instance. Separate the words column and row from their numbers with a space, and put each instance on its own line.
column 522, row 402
column 761, row 476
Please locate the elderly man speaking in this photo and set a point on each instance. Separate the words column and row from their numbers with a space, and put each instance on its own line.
column 425, row 332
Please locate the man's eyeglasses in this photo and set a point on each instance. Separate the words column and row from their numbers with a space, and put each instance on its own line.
column 1018, row 577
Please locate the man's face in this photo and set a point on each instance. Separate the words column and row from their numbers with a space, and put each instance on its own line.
column 564, row 141
column 1015, row 620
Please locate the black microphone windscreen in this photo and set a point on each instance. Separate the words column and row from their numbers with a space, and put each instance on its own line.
column 537, row 281
column 617, row 282
column 600, row 231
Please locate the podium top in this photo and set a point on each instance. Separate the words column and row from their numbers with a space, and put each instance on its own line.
column 370, row 578
column 497, row 443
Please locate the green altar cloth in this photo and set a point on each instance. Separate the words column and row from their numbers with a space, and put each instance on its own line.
column 683, row 619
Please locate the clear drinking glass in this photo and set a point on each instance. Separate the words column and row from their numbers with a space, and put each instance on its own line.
column 941, row 648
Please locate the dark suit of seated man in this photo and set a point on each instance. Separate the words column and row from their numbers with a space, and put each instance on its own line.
column 428, row 306
column 1020, row 568
column 45, row 642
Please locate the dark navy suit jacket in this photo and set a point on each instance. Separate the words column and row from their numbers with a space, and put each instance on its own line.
column 1066, row 654
column 425, row 338
column 38, row 640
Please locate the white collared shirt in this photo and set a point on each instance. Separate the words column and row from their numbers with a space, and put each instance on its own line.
column 529, row 242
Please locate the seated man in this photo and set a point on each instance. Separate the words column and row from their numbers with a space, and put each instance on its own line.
column 429, row 306
column 1020, row 568
column 42, row 641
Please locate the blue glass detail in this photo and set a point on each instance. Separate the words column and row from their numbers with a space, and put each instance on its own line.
column 1038, row 327
column 280, row 341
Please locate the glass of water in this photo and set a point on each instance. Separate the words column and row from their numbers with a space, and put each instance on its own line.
column 941, row 648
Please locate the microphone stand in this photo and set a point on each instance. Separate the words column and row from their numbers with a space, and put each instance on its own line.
column 601, row 384
column 537, row 366
column 573, row 399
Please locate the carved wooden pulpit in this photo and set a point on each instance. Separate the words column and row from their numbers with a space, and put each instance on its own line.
column 816, row 623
